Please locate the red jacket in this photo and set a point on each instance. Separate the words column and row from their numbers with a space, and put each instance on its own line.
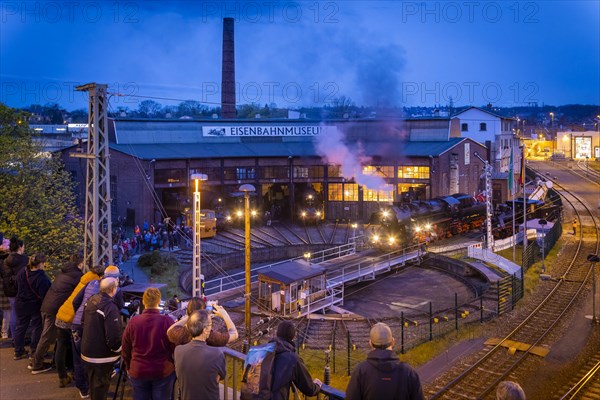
column 147, row 352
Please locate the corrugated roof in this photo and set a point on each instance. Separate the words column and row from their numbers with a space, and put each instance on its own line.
column 174, row 151
column 216, row 150
column 425, row 149
column 292, row 271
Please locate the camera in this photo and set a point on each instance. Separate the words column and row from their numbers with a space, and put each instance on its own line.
column 210, row 304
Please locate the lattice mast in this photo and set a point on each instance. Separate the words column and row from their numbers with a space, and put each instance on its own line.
column 489, row 207
column 98, row 224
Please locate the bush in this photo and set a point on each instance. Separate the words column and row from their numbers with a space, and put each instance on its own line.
column 158, row 263
column 149, row 259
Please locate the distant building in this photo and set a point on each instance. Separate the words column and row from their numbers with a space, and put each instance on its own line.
column 399, row 160
column 579, row 145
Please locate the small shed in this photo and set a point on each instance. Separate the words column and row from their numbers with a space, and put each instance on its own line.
column 289, row 288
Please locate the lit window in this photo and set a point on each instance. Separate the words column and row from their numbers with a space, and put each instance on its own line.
column 413, row 172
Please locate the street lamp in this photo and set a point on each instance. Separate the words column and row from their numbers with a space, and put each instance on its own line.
column 543, row 223
column 593, row 259
column 246, row 188
column 197, row 290
column 552, row 119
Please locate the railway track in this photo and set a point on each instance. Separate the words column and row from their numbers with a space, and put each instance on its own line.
column 477, row 378
column 586, row 384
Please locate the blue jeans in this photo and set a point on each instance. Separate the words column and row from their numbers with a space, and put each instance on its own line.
column 155, row 389
column 81, row 379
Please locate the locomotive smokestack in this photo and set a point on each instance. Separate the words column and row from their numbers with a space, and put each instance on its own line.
column 228, row 71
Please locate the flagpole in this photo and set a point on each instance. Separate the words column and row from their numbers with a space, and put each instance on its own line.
column 524, row 206
column 512, row 192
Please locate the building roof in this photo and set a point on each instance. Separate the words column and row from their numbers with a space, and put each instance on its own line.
column 174, row 151
column 292, row 271
column 435, row 149
column 482, row 110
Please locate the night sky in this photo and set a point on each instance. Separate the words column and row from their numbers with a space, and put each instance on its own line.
column 296, row 54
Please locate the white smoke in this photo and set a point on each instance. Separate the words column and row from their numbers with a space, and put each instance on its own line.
column 332, row 148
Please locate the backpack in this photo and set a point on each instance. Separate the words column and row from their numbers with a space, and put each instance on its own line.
column 258, row 372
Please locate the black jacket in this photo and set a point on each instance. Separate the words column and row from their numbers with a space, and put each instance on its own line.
column 14, row 263
column 61, row 288
column 289, row 368
column 102, row 330
column 32, row 287
column 384, row 376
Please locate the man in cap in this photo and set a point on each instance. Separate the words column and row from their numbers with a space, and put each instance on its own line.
column 288, row 366
column 383, row 375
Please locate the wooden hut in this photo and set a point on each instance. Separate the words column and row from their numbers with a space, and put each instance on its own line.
column 289, row 289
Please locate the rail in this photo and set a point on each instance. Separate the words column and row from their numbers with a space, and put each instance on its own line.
column 489, row 375
column 235, row 365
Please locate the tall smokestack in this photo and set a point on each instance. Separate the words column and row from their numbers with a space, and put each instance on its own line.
column 228, row 72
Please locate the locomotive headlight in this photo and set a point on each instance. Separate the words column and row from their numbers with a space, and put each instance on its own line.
column 303, row 214
column 239, row 213
column 318, row 213
column 228, row 218
column 385, row 214
column 375, row 238
column 391, row 240
column 253, row 213
column 428, row 226
column 310, row 197
column 418, row 229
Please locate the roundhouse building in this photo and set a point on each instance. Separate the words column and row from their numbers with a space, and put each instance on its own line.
column 352, row 165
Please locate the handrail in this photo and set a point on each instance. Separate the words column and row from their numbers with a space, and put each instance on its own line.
column 238, row 279
column 233, row 383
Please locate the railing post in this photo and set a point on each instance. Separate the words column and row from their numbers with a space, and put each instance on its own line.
column 402, row 332
column 333, row 352
column 348, row 360
column 456, row 311
column 481, row 309
column 430, row 321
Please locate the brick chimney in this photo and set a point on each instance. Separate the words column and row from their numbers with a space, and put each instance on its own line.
column 228, row 71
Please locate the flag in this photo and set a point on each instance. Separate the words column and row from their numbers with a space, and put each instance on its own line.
column 522, row 174
column 511, row 174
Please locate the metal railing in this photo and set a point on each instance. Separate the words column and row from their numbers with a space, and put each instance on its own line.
column 238, row 280
column 235, row 368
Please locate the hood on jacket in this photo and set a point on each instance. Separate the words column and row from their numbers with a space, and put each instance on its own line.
column 283, row 346
column 383, row 360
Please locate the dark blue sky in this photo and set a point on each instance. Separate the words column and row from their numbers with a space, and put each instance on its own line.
column 304, row 53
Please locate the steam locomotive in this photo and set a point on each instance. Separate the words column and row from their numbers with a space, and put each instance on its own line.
column 418, row 221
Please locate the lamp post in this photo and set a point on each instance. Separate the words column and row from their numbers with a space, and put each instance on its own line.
column 197, row 290
column 543, row 223
column 593, row 259
column 552, row 119
column 246, row 188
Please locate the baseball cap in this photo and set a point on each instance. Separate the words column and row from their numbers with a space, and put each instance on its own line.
column 381, row 335
column 112, row 271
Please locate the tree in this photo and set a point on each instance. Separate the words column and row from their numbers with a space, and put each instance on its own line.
column 149, row 108
column 38, row 200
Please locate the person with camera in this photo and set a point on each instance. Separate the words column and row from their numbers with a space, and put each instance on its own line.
column 101, row 341
column 179, row 334
column 148, row 353
column 199, row 366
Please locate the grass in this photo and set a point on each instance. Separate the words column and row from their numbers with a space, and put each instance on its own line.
column 163, row 268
